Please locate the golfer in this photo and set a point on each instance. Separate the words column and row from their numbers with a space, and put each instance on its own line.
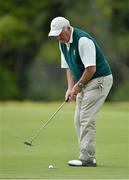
column 89, row 80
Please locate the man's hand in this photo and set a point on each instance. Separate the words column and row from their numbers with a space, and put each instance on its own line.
column 72, row 93
column 75, row 90
column 68, row 94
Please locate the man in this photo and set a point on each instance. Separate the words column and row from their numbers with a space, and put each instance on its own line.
column 89, row 81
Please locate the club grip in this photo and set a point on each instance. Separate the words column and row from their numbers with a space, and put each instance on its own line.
column 67, row 100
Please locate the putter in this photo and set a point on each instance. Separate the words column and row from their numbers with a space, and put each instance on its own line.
column 29, row 142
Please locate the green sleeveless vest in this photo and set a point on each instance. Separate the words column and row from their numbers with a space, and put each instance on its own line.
column 74, row 61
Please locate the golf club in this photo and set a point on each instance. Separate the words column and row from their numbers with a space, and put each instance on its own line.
column 29, row 142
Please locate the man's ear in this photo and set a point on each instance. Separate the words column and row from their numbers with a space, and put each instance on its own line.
column 69, row 28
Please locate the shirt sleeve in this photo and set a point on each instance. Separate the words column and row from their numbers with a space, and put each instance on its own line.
column 63, row 61
column 87, row 52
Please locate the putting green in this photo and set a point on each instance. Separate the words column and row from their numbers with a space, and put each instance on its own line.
column 57, row 144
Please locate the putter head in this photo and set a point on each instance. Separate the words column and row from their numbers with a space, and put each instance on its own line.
column 28, row 143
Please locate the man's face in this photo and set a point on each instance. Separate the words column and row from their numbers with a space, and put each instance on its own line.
column 64, row 35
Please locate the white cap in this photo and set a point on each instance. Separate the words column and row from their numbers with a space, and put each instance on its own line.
column 57, row 25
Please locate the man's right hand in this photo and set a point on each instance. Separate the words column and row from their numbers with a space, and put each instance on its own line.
column 69, row 96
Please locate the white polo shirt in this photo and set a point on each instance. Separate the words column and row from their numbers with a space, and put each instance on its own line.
column 86, row 49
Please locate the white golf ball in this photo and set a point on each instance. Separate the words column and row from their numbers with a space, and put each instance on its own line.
column 50, row 166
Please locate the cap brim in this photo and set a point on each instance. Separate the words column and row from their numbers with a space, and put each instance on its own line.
column 54, row 32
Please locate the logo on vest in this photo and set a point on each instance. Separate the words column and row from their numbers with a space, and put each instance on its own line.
column 74, row 52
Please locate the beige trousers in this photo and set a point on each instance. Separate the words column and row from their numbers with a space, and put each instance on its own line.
column 88, row 103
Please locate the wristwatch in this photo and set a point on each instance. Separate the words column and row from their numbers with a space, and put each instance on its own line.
column 80, row 84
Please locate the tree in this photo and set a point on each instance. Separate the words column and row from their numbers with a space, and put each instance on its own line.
column 27, row 58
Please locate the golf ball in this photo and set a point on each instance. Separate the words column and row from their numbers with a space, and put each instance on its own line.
column 50, row 166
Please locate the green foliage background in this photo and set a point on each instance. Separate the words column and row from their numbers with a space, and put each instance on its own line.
column 30, row 62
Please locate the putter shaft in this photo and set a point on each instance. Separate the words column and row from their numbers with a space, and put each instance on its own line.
column 44, row 125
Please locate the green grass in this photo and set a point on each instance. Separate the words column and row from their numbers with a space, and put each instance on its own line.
column 57, row 143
